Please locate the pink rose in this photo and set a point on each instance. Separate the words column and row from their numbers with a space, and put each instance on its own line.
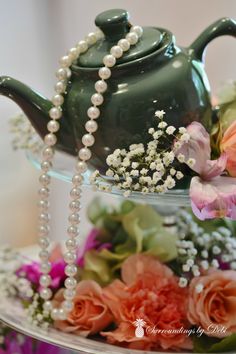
column 90, row 314
column 215, row 307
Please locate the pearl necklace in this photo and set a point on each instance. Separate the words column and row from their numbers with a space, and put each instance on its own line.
column 84, row 154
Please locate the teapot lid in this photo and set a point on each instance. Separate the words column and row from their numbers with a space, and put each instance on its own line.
column 115, row 25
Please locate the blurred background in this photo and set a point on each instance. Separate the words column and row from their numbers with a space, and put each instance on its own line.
column 34, row 35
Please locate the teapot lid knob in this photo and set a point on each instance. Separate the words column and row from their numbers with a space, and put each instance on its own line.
column 113, row 23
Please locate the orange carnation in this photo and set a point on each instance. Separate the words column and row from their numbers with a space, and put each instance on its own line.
column 228, row 145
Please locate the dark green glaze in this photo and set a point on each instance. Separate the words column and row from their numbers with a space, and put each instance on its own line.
column 164, row 77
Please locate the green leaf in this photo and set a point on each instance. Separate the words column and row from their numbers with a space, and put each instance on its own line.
column 96, row 210
column 96, row 268
column 206, row 344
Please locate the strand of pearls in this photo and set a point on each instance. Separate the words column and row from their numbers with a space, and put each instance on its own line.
column 84, row 154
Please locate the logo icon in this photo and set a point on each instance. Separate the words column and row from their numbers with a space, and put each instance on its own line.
column 139, row 323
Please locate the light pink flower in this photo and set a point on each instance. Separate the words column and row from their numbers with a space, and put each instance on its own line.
column 212, row 195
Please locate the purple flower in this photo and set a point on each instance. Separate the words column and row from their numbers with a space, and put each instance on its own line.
column 212, row 195
column 91, row 242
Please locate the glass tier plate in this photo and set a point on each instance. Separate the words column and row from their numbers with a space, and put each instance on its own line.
column 14, row 316
column 63, row 168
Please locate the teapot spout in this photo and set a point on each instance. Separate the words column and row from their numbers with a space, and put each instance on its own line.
column 36, row 108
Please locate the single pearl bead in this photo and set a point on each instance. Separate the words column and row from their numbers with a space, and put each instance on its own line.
column 74, row 218
column 45, row 280
column 77, row 179
column 83, row 46
column 70, row 283
column 124, row 44
column 47, row 306
column 99, row 34
column 65, row 61
column 61, row 74
column 85, row 154
column 68, row 71
column 45, row 267
column 69, row 294
column 43, row 218
column 81, row 166
column 44, row 179
column 53, row 126
column 88, row 140
column 72, row 231
column 46, row 293
column 75, row 205
column 46, row 165
column 50, row 139
column 93, row 112
column 109, row 60
column 44, row 255
column 73, row 53
column 138, row 30
column 91, row 126
column 70, row 257
column 75, row 192
column 67, row 306
column 48, row 153
column 132, row 37
column 57, row 100
column 104, row 72
column 55, row 113
column 44, row 242
column 71, row 244
column 62, row 315
column 116, row 51
column 43, row 204
column 44, row 192
column 97, row 99
column 71, row 270
column 100, row 86
column 55, row 314
column 43, row 230
column 60, row 87
column 91, row 38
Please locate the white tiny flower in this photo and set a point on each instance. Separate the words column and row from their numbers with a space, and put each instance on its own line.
column 182, row 130
column 134, row 173
column 126, row 194
column 204, row 254
column 136, row 186
column 145, row 190
column 177, row 145
column 181, row 158
column 172, row 171
column 215, row 263
column 170, row 130
column 159, row 167
column 151, row 131
column 117, row 152
column 109, row 173
column 190, row 262
column 157, row 134
column 135, row 165
column 186, row 268
column 160, row 114
column 205, row 265
column 162, row 125
column 216, row 250
column 185, row 137
column 179, row 175
column 233, row 265
column 170, row 182
column 191, row 162
column 144, row 171
column 183, row 282
column 199, row 288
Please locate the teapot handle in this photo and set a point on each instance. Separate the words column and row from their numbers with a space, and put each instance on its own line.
column 222, row 27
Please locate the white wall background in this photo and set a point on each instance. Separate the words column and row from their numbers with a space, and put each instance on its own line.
column 34, row 34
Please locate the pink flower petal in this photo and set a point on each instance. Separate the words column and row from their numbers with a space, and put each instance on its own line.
column 213, row 199
column 214, row 168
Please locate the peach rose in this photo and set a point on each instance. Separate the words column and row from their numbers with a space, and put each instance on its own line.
column 228, row 145
column 90, row 314
column 149, row 291
column 214, row 309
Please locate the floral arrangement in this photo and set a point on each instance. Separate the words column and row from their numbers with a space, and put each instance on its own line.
column 207, row 160
column 142, row 286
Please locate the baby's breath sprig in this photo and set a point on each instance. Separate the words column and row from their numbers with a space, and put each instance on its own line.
column 147, row 168
column 199, row 251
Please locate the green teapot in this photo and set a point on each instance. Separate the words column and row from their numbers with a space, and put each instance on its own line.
column 154, row 74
